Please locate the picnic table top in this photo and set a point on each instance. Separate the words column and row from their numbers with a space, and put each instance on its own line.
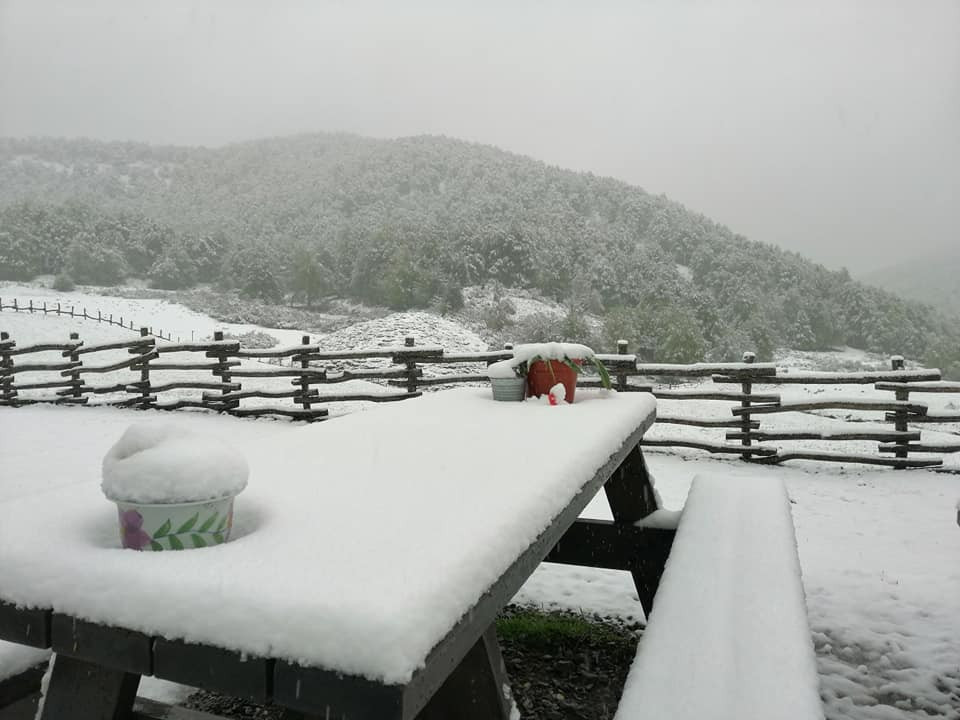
column 358, row 544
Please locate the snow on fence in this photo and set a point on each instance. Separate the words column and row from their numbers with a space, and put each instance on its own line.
column 154, row 373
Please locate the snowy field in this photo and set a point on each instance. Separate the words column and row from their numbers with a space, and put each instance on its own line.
column 878, row 548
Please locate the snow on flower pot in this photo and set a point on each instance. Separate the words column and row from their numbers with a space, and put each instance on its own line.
column 174, row 489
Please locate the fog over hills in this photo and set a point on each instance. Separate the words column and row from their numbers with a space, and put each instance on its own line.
column 410, row 222
column 932, row 279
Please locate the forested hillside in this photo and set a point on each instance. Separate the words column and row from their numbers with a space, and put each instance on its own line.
column 410, row 222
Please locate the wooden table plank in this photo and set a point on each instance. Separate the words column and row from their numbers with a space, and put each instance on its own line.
column 213, row 668
column 26, row 626
column 314, row 690
column 114, row 648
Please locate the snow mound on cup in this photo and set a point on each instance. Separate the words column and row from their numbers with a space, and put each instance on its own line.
column 156, row 463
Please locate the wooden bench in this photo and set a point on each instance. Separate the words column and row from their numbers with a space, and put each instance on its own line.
column 728, row 636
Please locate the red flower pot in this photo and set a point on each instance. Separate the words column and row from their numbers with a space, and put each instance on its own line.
column 540, row 379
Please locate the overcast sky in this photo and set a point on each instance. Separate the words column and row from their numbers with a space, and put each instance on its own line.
column 829, row 127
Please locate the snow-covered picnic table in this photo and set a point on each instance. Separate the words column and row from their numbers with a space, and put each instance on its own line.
column 371, row 555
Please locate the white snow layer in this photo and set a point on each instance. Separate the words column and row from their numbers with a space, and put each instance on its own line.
column 551, row 351
column 544, row 351
column 558, row 392
column 167, row 463
column 502, row 370
column 728, row 637
column 15, row 658
column 359, row 544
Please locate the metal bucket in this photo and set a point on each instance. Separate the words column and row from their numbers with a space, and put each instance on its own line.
column 509, row 389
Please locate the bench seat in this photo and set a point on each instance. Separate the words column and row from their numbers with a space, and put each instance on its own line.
column 728, row 636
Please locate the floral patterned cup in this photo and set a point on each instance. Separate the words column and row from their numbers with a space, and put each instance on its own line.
column 175, row 526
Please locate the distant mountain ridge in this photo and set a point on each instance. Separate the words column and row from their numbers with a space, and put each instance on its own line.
column 410, row 222
column 933, row 279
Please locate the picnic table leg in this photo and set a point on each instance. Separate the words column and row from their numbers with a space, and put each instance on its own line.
column 477, row 689
column 86, row 691
column 630, row 494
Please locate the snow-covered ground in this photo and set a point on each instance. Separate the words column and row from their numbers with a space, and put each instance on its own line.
column 878, row 548
column 878, row 551
column 172, row 319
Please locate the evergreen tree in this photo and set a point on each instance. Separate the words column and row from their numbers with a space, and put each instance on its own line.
column 173, row 271
column 253, row 268
column 91, row 262
column 310, row 279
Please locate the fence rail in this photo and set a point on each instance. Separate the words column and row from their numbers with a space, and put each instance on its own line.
column 153, row 376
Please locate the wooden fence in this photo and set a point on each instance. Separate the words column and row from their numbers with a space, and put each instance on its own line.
column 71, row 311
column 153, row 377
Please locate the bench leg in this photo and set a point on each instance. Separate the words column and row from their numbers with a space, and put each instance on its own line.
column 477, row 689
column 647, row 573
column 630, row 494
column 86, row 691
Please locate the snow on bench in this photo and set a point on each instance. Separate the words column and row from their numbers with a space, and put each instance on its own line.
column 14, row 659
column 20, row 671
column 728, row 637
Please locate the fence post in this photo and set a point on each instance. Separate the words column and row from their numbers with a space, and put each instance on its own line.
column 900, row 416
column 99, row 317
column 31, row 307
column 144, row 366
column 7, row 392
column 15, row 305
column 304, row 379
column 44, row 307
column 746, row 387
column 75, row 372
column 58, row 308
column 224, row 372
column 621, row 378
column 411, row 368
